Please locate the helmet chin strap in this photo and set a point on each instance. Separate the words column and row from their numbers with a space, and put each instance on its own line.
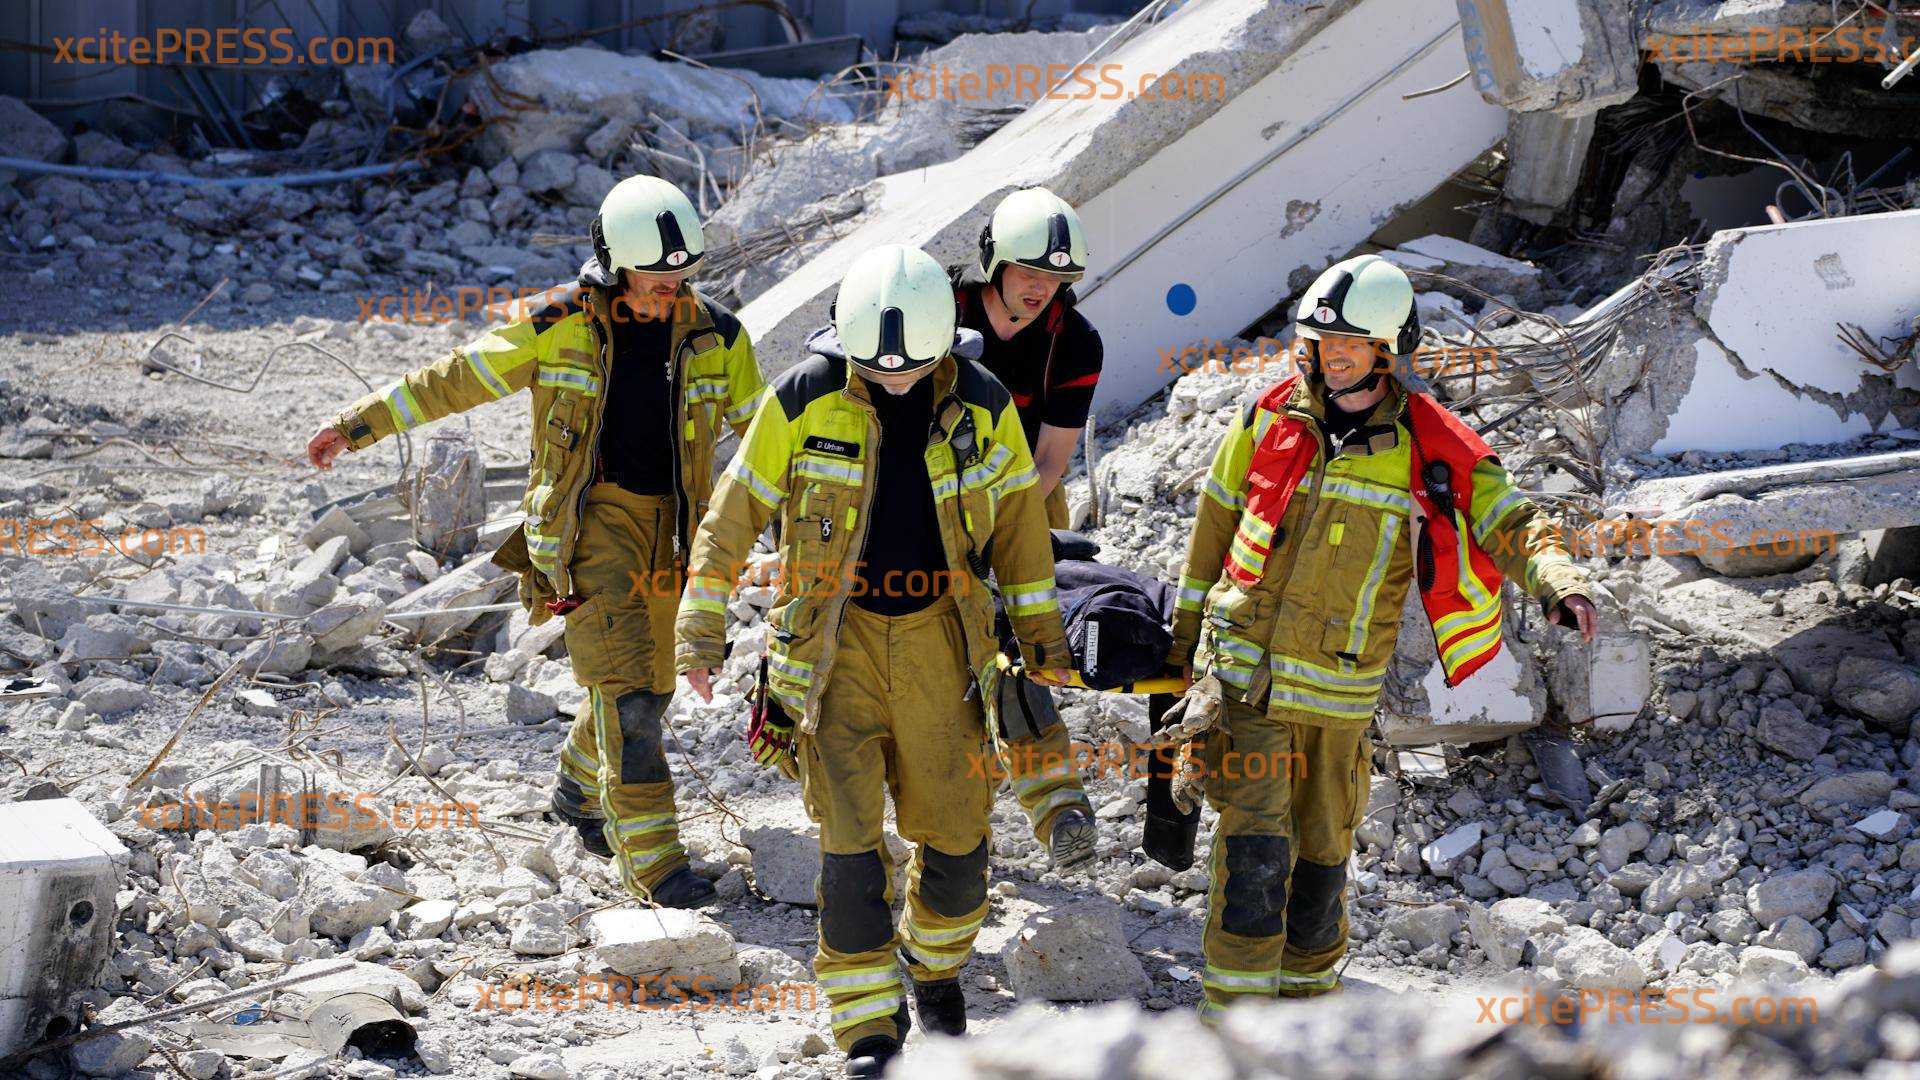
column 1364, row 386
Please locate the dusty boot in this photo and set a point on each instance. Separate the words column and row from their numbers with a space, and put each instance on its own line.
column 870, row 1055
column 593, row 836
column 592, row 830
column 1074, row 836
column 683, row 889
column 941, row 1005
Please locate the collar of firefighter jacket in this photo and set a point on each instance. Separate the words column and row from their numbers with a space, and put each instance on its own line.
column 946, row 372
column 691, row 319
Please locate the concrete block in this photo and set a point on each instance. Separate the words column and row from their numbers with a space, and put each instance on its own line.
column 449, row 493
column 1606, row 683
column 1790, row 509
column 1546, row 153
column 59, row 871
column 1574, row 57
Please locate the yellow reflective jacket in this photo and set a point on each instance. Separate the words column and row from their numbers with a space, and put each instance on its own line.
column 806, row 459
column 1321, row 624
column 562, row 352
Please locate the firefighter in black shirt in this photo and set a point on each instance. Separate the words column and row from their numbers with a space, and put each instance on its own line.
column 1020, row 299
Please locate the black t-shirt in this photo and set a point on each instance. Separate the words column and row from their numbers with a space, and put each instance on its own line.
column 1020, row 363
column 1340, row 423
column 904, row 567
column 636, row 440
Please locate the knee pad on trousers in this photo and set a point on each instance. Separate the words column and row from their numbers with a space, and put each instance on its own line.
column 1313, row 913
column 854, row 916
column 1256, row 892
column 642, row 759
column 953, row 885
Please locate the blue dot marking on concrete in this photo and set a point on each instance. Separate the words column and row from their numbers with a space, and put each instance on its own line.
column 1180, row 299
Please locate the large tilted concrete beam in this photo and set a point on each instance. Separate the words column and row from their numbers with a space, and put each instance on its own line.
column 1241, row 196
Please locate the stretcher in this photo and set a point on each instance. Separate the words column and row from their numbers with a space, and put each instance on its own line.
column 1164, row 684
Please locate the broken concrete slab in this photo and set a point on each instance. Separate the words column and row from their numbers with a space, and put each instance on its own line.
column 59, row 871
column 474, row 583
column 678, row 945
column 1795, row 511
column 1762, row 332
column 1336, row 74
column 576, row 91
column 1486, row 270
column 1752, row 54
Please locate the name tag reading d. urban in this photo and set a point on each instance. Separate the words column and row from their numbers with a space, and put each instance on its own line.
column 836, row 447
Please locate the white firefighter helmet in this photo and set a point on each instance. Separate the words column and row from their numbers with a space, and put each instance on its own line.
column 894, row 312
column 645, row 223
column 1365, row 296
column 1038, row 230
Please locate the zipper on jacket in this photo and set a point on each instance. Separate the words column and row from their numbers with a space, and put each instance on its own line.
column 679, row 425
column 598, row 414
column 822, row 669
column 1313, row 505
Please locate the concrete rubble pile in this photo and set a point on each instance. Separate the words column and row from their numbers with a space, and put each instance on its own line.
column 1860, row 1027
column 1742, row 814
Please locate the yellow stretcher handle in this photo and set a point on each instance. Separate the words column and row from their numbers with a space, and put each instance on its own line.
column 1162, row 684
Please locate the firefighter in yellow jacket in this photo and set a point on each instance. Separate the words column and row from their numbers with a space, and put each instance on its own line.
column 634, row 375
column 1327, row 497
column 900, row 478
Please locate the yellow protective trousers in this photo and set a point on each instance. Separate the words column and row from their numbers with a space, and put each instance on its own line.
column 896, row 716
column 1289, row 796
column 620, row 641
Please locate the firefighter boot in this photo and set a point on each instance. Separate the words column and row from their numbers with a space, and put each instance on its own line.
column 1074, row 836
column 683, row 889
column 941, row 1005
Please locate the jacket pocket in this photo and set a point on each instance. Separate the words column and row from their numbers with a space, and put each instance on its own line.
column 556, row 442
column 819, row 528
column 589, row 648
